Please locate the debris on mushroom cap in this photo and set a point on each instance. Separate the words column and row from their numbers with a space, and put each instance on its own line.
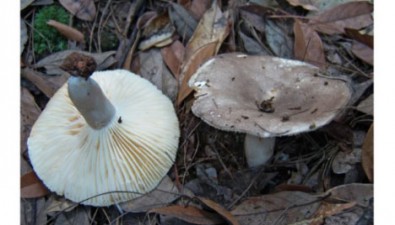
column 265, row 96
column 132, row 153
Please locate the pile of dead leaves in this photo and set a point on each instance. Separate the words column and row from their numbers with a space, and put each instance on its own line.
column 323, row 177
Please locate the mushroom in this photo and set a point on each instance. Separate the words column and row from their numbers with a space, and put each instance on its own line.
column 103, row 138
column 265, row 97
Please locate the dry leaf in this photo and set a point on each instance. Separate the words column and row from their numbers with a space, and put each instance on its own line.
column 363, row 52
column 198, row 8
column 366, row 105
column 360, row 193
column 29, row 114
column 56, row 204
column 270, row 209
column 253, row 15
column 165, row 193
column 251, row 46
column 25, row 3
column 205, row 42
column 355, row 15
column 306, row 4
column 344, row 162
column 83, row 9
column 220, row 210
column 67, row 31
column 190, row 214
column 278, row 39
column 156, row 31
column 48, row 85
column 32, row 187
column 24, row 36
column 173, row 56
column 153, row 69
column 81, row 216
column 368, row 155
column 52, row 62
column 185, row 24
column 308, row 45
column 358, row 36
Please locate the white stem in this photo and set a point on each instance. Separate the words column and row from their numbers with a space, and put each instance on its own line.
column 258, row 150
column 90, row 101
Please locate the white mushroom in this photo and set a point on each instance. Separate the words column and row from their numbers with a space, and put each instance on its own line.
column 264, row 97
column 104, row 139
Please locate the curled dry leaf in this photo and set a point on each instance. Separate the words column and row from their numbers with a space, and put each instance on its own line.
column 82, row 9
column 156, row 32
column 32, row 187
column 367, row 154
column 198, row 8
column 354, row 15
column 190, row 214
column 67, row 31
column 308, row 45
column 363, row 52
column 205, row 42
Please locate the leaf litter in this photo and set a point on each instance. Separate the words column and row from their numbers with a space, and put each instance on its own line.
column 308, row 179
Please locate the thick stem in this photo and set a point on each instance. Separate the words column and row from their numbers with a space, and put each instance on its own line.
column 90, row 101
column 258, row 150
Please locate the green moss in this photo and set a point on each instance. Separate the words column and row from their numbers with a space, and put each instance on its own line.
column 46, row 38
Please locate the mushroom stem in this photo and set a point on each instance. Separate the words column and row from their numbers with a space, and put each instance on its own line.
column 258, row 150
column 89, row 99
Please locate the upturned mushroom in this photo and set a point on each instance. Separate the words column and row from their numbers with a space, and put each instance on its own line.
column 265, row 97
column 104, row 138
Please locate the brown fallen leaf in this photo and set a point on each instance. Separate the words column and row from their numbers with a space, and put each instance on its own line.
column 278, row 38
column 363, row 52
column 32, row 187
column 173, row 56
column 198, row 8
column 267, row 209
column 47, row 85
column 190, row 214
column 306, row 4
column 204, row 43
column 358, row 36
column 308, row 46
column 355, row 15
column 220, row 210
column 67, row 31
column 29, row 114
column 23, row 34
column 368, row 154
column 83, row 9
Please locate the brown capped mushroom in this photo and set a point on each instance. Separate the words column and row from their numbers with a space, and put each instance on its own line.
column 105, row 137
column 264, row 97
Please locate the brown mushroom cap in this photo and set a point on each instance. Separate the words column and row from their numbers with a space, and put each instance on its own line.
column 265, row 96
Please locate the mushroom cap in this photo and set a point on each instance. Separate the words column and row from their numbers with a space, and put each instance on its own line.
column 265, row 96
column 132, row 153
